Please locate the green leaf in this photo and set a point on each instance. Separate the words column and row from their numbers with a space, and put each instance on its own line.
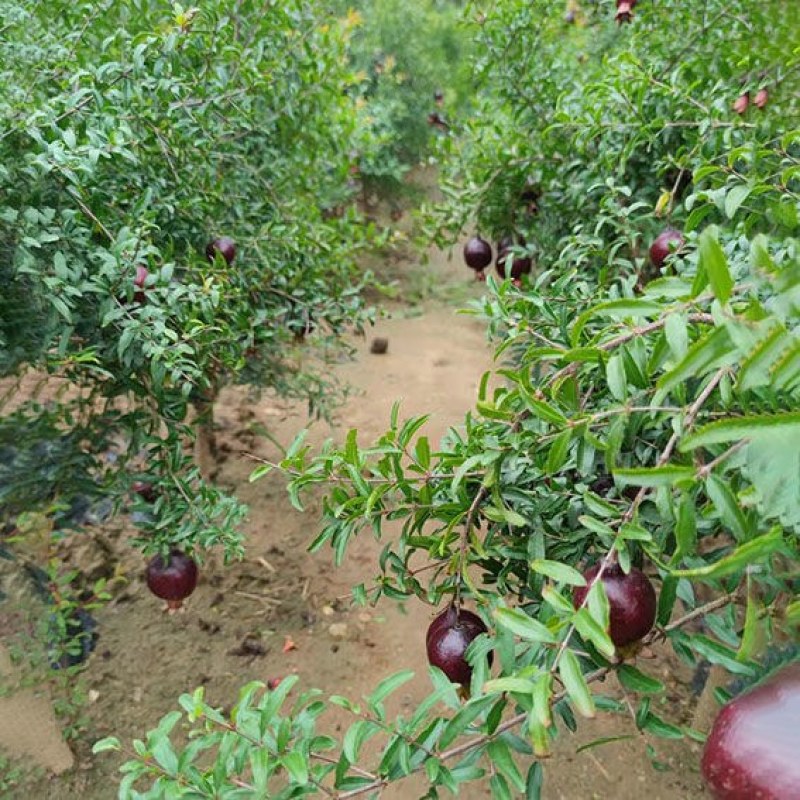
column 636, row 681
column 724, row 500
column 718, row 653
column 518, row 685
column 657, row 726
column 389, row 685
column 464, row 718
column 686, row 527
column 297, row 767
column 711, row 351
column 104, row 745
column 575, row 684
column 562, row 573
column 500, row 754
column 738, row 428
column 616, row 378
column 677, row 334
column 653, row 477
column 591, row 631
column 749, row 553
column 534, row 782
column 524, row 626
column 734, row 199
column 559, row 450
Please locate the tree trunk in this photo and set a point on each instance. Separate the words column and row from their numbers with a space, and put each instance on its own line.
column 205, row 443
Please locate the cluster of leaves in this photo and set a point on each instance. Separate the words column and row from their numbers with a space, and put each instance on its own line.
column 405, row 52
column 133, row 134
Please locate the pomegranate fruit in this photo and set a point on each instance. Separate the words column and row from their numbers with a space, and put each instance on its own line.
column 754, row 744
column 145, row 490
column 631, row 601
column 666, row 242
column 139, row 282
column 741, row 103
column 624, row 11
column 477, row 255
column 225, row 246
column 761, row 99
column 173, row 579
column 448, row 638
column 519, row 265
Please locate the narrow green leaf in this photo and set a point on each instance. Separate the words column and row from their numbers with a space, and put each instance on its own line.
column 712, row 350
column 297, row 767
column 636, row 681
column 575, row 684
column 724, row 500
column 734, row 199
column 524, row 626
column 389, row 685
column 738, row 428
column 749, row 553
column 559, row 450
column 562, row 573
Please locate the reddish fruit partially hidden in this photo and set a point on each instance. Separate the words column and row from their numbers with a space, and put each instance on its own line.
column 225, row 246
column 631, row 602
column 624, row 11
column 145, row 490
column 477, row 255
column 519, row 265
column 448, row 638
column 761, row 99
column 753, row 750
column 172, row 580
column 741, row 103
column 139, row 283
column 666, row 242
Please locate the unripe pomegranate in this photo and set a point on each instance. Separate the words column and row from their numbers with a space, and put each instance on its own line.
column 448, row 638
column 225, row 246
column 761, row 99
column 631, row 602
column 477, row 255
column 753, row 749
column 666, row 242
column 173, row 579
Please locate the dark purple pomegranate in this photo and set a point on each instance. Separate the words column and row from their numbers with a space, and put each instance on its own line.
column 145, row 490
column 668, row 241
column 754, row 746
column 448, row 638
column 477, row 255
column 225, row 246
column 172, row 580
column 520, row 265
column 631, row 601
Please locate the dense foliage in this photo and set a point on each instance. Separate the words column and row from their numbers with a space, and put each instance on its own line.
column 134, row 133
column 639, row 416
column 411, row 59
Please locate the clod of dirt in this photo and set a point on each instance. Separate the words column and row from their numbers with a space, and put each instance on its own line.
column 379, row 346
column 338, row 630
column 249, row 646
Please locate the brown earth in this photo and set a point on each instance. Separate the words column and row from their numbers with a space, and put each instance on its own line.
column 237, row 622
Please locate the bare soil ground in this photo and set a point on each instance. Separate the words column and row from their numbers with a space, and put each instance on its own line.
column 238, row 620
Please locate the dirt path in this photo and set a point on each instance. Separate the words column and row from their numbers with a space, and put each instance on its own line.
column 238, row 620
